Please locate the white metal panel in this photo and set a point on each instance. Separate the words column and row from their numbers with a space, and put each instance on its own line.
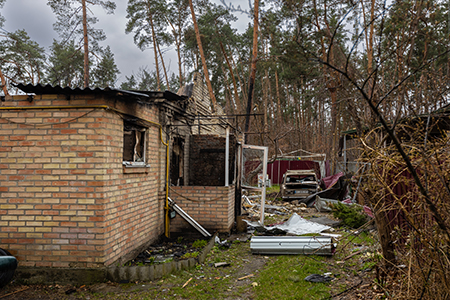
column 318, row 245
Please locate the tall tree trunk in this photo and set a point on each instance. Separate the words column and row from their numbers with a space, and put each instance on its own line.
column 241, row 84
column 5, row 90
column 334, row 131
column 86, row 45
column 228, row 96
column 369, row 46
column 332, row 84
column 177, row 35
column 202, row 56
column 155, row 49
column 180, row 70
column 252, row 68
column 164, row 69
column 237, row 101
column 277, row 87
column 266, row 98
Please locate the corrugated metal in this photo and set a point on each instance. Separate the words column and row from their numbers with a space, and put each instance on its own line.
column 40, row 89
column 318, row 245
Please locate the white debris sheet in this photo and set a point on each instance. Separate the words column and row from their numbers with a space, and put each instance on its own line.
column 296, row 225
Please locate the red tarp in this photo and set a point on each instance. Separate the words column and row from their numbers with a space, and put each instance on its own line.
column 331, row 180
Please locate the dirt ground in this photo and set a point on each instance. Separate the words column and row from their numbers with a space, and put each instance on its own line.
column 248, row 264
column 232, row 281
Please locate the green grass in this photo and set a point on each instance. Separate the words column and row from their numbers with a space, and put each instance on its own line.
column 283, row 278
column 275, row 188
column 274, row 277
column 208, row 282
column 199, row 243
column 190, row 254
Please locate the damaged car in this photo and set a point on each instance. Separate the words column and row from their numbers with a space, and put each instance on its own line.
column 299, row 184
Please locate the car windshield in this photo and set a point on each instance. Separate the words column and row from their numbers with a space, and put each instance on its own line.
column 299, row 178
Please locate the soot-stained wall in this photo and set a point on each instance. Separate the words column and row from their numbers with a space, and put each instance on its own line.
column 207, row 160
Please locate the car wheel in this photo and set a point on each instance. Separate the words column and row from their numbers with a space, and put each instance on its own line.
column 6, row 275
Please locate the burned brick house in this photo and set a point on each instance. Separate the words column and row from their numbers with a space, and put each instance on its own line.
column 85, row 173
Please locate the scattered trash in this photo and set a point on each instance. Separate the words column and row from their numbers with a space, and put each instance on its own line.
column 333, row 235
column 246, row 203
column 323, row 204
column 325, row 221
column 186, row 283
column 355, row 253
column 318, row 245
column 334, row 187
column 70, row 291
column 245, row 277
column 224, row 243
column 221, row 264
column 318, row 278
column 368, row 211
column 18, row 291
column 298, row 225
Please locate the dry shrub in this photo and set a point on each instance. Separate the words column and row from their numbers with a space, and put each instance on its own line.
column 419, row 267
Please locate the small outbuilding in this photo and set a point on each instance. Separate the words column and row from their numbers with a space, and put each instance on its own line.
column 85, row 173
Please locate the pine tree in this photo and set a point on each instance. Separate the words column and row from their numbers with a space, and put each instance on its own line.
column 105, row 73
column 2, row 19
column 2, row 77
column 178, row 21
column 65, row 65
column 146, row 19
column 22, row 59
column 74, row 23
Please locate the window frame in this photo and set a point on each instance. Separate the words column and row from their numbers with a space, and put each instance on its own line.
column 140, row 140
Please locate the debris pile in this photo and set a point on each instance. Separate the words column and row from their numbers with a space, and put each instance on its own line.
column 168, row 250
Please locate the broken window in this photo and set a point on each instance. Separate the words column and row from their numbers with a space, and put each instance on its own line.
column 134, row 142
column 177, row 162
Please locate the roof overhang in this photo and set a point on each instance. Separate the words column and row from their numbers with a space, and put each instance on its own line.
column 48, row 89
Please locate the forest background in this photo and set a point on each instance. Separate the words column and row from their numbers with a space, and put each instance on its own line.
column 314, row 65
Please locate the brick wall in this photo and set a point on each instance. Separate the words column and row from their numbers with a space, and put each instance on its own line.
column 65, row 200
column 203, row 108
column 211, row 206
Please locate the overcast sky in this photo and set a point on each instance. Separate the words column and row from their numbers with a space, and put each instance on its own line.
column 36, row 17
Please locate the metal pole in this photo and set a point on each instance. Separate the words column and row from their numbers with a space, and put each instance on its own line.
column 345, row 153
column 227, row 153
column 263, row 192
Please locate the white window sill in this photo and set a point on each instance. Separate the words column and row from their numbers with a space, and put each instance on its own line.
column 130, row 168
